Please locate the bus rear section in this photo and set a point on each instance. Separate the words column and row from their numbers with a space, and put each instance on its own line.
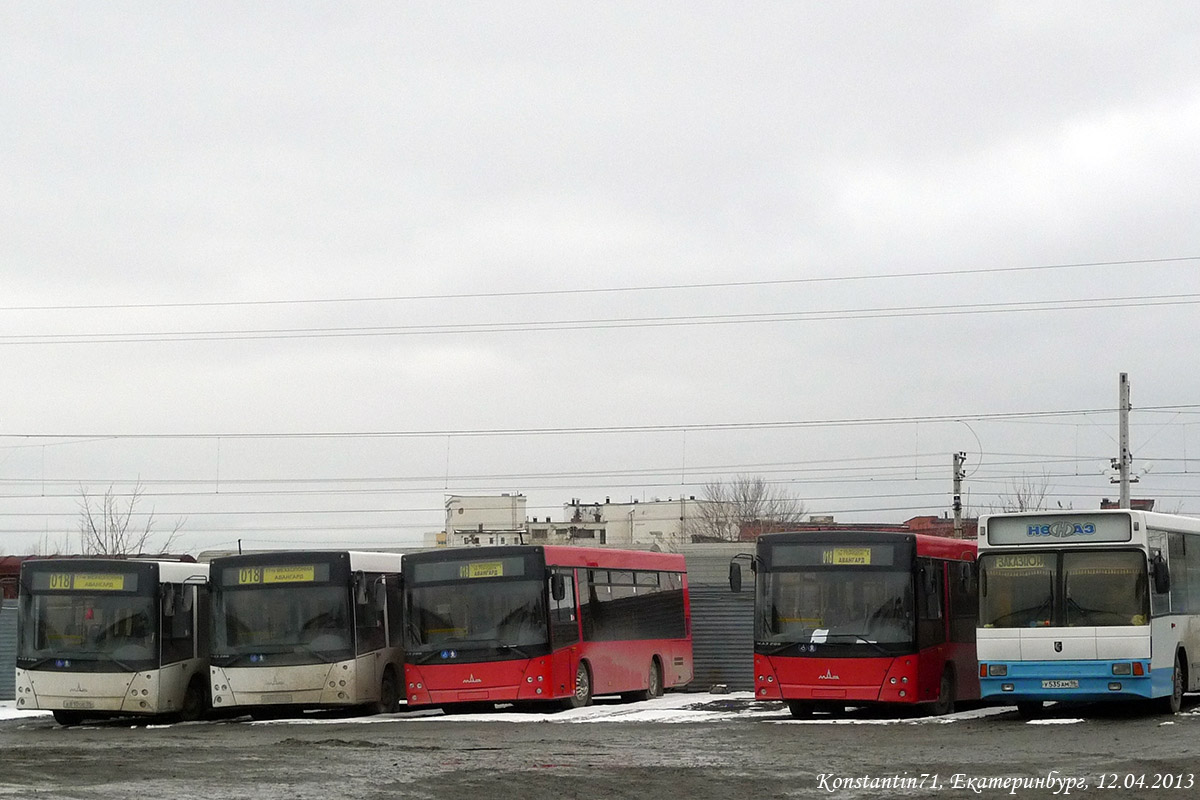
column 1088, row 606
column 863, row 618
column 543, row 625
column 306, row 630
column 101, row 638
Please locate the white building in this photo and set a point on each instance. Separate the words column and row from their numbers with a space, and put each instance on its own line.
column 484, row 519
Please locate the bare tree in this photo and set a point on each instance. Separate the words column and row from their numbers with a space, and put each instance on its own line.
column 745, row 500
column 107, row 527
column 1024, row 494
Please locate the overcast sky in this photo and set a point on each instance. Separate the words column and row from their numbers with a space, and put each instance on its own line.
column 301, row 270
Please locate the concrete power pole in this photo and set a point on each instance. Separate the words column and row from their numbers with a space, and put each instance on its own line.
column 959, row 473
column 1123, row 462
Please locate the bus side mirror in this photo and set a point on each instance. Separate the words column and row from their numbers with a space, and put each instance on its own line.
column 360, row 588
column 558, row 587
column 1161, row 573
column 735, row 576
column 983, row 583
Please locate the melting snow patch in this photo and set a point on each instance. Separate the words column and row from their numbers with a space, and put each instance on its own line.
column 1053, row 721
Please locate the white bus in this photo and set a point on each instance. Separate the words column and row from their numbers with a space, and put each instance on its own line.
column 306, row 630
column 112, row 637
column 1089, row 606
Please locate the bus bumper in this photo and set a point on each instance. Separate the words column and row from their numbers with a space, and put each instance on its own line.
column 307, row 685
column 503, row 682
column 1067, row 681
column 88, row 693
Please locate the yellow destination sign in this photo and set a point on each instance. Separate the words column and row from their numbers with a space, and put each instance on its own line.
column 88, row 581
column 293, row 573
column 1021, row 561
column 482, row 569
column 847, row 556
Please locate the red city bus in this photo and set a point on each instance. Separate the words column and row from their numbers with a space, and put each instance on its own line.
column 852, row 618
column 536, row 624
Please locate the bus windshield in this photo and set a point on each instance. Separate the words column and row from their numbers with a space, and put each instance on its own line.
column 1064, row 589
column 282, row 625
column 836, row 606
column 496, row 615
column 109, row 631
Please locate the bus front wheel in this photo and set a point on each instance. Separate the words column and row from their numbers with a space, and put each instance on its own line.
column 800, row 710
column 195, row 701
column 583, row 688
column 1029, row 709
column 945, row 699
column 389, row 694
column 67, row 718
column 1172, row 703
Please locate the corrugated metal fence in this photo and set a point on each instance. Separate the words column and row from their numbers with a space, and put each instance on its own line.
column 8, row 650
column 722, row 638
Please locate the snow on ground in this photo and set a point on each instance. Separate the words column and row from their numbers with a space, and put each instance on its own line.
column 682, row 707
column 9, row 710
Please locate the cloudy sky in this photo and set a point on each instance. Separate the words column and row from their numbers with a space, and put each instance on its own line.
column 300, row 271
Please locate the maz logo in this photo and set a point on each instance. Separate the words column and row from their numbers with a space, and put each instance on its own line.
column 829, row 676
column 472, row 679
column 78, row 689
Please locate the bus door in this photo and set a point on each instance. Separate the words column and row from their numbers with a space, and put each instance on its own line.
column 931, row 626
column 370, row 600
column 564, row 630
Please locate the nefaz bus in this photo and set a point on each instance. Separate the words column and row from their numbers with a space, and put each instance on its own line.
column 1089, row 605
column 306, row 630
column 846, row 618
column 537, row 624
column 112, row 637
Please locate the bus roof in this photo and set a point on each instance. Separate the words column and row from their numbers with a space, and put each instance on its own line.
column 566, row 556
column 927, row 546
column 368, row 561
column 168, row 571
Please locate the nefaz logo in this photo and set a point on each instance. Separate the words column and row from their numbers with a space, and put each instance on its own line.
column 1062, row 530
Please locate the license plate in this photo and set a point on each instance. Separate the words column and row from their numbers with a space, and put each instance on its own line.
column 1060, row 684
column 78, row 704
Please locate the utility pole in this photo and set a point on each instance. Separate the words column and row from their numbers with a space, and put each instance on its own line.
column 1123, row 462
column 960, row 459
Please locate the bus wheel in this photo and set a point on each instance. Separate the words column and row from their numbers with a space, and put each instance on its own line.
column 1174, row 701
column 1029, row 709
column 389, row 694
column 945, row 700
column 67, row 718
column 800, row 710
column 195, row 702
column 654, row 685
column 583, row 688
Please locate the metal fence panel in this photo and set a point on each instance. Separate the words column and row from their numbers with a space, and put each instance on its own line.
column 722, row 638
column 8, row 650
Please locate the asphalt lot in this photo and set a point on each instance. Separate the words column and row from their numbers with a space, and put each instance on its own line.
column 681, row 745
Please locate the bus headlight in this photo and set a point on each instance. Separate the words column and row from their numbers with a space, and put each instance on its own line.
column 997, row 670
column 1122, row 669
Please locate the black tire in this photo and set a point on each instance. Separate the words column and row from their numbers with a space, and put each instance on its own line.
column 1029, row 709
column 67, row 718
column 654, row 685
column 195, row 701
column 945, row 701
column 1172, row 703
column 583, row 688
column 389, row 693
column 800, row 710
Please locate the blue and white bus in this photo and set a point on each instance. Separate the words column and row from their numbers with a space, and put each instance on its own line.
column 1088, row 606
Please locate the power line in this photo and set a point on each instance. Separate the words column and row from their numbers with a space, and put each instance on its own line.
column 609, row 289
column 601, row 429
column 839, row 315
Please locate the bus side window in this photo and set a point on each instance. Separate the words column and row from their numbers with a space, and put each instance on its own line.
column 564, row 622
column 178, row 642
column 931, row 628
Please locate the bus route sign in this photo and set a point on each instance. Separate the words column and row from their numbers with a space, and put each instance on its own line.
column 482, row 569
column 847, row 556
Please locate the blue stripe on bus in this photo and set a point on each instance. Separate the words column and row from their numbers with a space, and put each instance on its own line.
column 1094, row 678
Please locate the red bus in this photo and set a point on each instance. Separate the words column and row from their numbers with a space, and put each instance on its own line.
column 529, row 624
column 853, row 618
